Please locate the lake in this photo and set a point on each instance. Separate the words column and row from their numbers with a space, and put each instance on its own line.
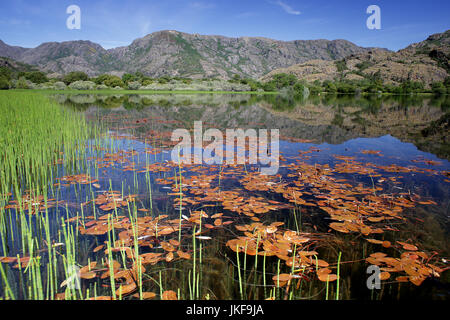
column 357, row 209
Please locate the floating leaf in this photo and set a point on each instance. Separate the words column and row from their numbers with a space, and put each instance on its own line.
column 126, row 289
column 145, row 295
column 384, row 275
column 326, row 277
column 169, row 295
column 184, row 255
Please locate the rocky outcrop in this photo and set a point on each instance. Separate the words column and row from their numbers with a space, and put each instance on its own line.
column 426, row 61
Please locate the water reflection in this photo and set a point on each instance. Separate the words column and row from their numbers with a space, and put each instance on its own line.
column 421, row 120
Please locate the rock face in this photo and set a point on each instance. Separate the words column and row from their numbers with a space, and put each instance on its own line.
column 426, row 61
column 11, row 51
column 15, row 66
column 175, row 53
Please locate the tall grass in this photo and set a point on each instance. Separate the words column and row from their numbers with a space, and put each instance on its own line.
column 39, row 141
column 36, row 132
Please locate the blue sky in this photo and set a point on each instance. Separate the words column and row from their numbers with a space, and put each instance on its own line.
column 113, row 23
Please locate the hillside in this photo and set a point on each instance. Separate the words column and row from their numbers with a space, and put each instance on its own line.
column 426, row 61
column 175, row 53
column 15, row 66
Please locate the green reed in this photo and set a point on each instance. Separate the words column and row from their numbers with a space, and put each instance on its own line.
column 35, row 133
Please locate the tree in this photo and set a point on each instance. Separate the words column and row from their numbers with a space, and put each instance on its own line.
column 409, row 86
column 282, row 80
column 5, row 73
column 4, row 83
column 330, row 87
column 438, row 88
column 75, row 76
column 101, row 78
column 146, row 81
column 128, row 77
column 114, row 81
column 269, row 86
column 314, row 89
column 447, row 84
column 22, row 83
column 36, row 77
column 341, row 65
column 343, row 87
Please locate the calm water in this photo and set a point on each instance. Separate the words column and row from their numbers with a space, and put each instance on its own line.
column 399, row 146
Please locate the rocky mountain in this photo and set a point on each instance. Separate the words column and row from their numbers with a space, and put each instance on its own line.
column 426, row 61
column 14, row 66
column 11, row 52
column 175, row 53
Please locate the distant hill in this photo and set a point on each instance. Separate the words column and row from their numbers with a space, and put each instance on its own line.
column 15, row 66
column 175, row 53
column 426, row 61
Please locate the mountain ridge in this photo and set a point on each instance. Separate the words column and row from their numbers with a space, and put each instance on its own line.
column 426, row 61
column 174, row 53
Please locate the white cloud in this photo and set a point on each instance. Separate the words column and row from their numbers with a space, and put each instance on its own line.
column 287, row 8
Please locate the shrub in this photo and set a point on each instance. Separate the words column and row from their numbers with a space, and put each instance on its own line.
column 447, row 82
column 114, row 81
column 82, row 85
column 45, row 86
column 37, row 77
column 101, row 87
column 301, row 91
column 343, row 87
column 438, row 88
column 412, row 86
column 330, row 87
column 100, row 79
column 314, row 89
column 128, row 77
column 4, row 84
column 22, row 83
column 146, row 82
column 59, row 85
column 75, row 76
column 341, row 65
column 282, row 80
column 134, row 85
column 269, row 86
column 5, row 73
